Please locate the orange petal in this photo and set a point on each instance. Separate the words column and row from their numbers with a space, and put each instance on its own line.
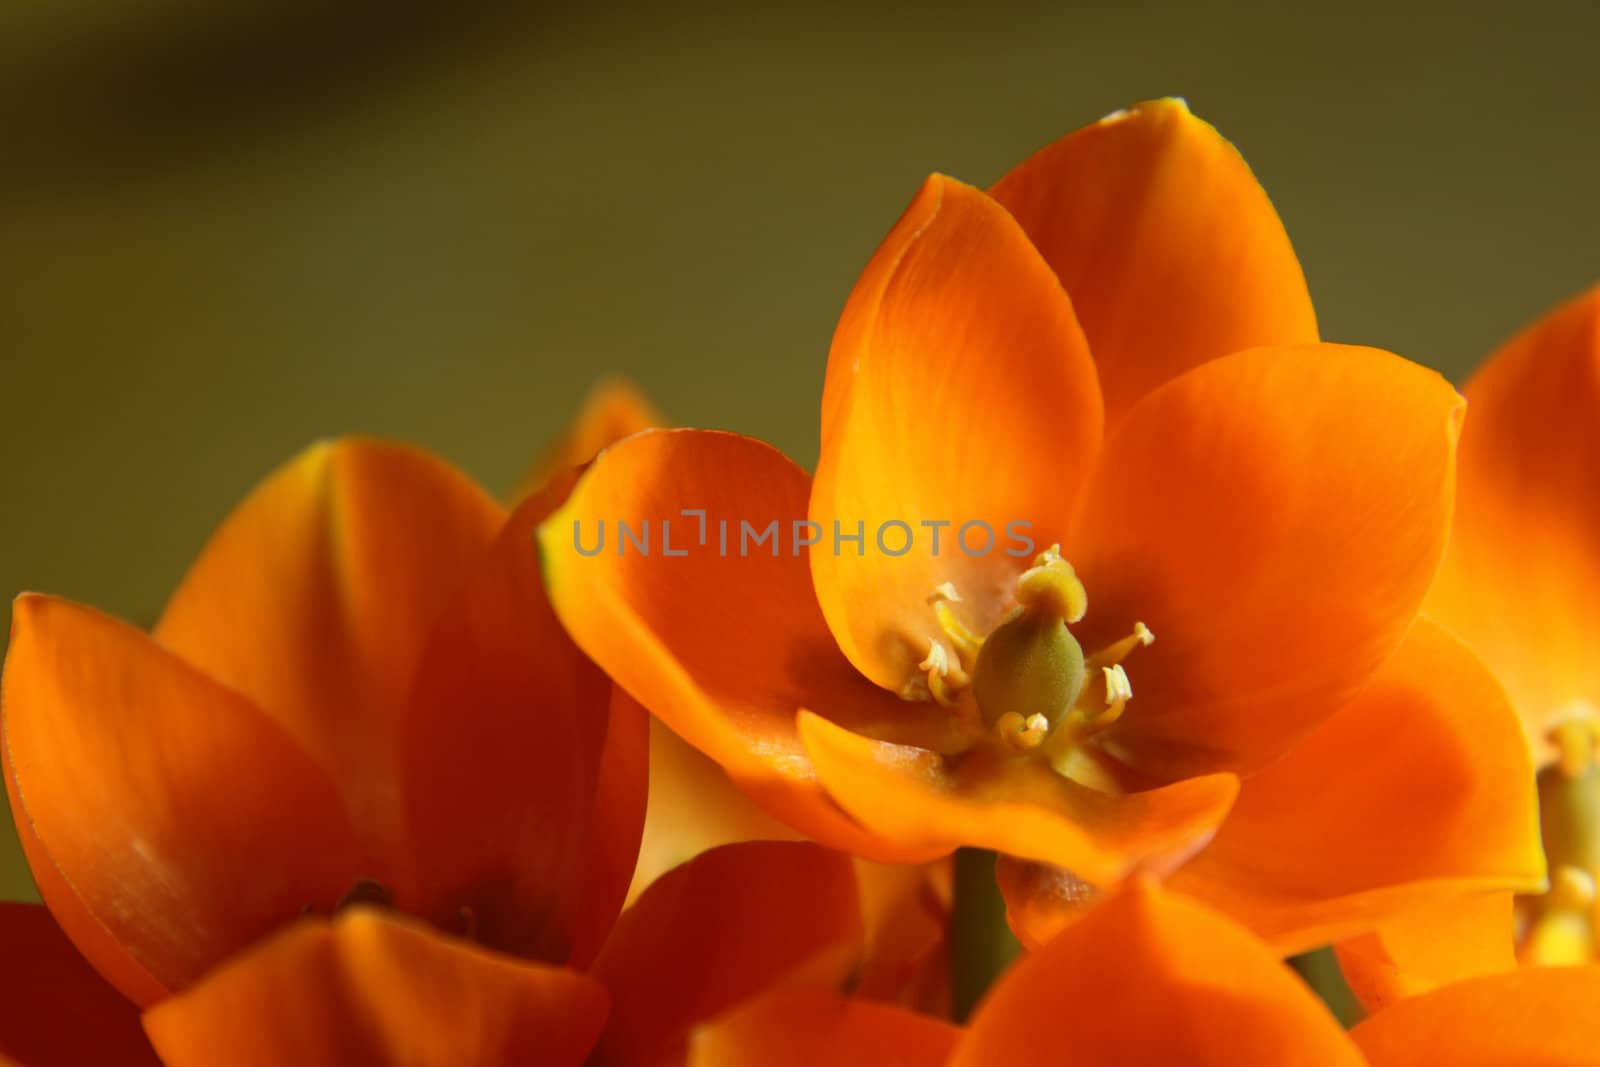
column 614, row 409
column 1448, row 940
column 1148, row 978
column 143, row 789
column 504, row 740
column 1041, row 899
column 693, row 807
column 905, row 911
column 724, row 648
column 94, row 941
column 923, row 801
column 1522, row 577
column 317, row 594
column 959, row 390
column 726, row 926
column 1533, row 1017
column 800, row 1029
column 366, row 989
column 1170, row 249
column 616, row 826
column 1275, row 517
column 55, row 1011
column 1421, row 786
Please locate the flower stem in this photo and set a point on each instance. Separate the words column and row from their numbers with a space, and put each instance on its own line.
column 981, row 944
column 1320, row 970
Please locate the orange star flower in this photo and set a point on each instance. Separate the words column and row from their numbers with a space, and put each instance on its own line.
column 374, row 987
column 369, row 987
column 1417, row 786
column 693, row 807
column 1217, row 997
column 1057, row 381
column 357, row 693
column 1519, row 584
column 359, row 696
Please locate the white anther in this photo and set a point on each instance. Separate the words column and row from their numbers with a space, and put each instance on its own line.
column 1118, row 688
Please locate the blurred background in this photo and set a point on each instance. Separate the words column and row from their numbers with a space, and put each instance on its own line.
column 229, row 229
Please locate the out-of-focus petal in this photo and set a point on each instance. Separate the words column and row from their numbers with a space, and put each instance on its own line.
column 733, row 923
column 316, row 596
column 1531, row 1017
column 169, row 822
column 921, row 800
column 1041, row 899
column 1170, row 249
column 1522, row 577
column 693, row 807
column 55, row 1011
column 959, row 390
column 368, row 991
column 616, row 825
column 724, row 645
column 614, row 409
column 1421, row 786
column 1152, row 978
column 905, row 910
column 801, row 1029
column 1275, row 517
column 1448, row 940
column 504, row 742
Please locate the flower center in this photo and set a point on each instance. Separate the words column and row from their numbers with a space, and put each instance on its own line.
column 1563, row 925
column 1028, row 685
column 371, row 893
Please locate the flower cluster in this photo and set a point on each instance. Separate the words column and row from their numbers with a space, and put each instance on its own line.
column 1300, row 649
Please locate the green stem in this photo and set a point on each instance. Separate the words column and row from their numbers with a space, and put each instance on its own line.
column 981, row 944
column 1320, row 970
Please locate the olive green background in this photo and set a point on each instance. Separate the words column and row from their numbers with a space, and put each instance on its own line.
column 228, row 230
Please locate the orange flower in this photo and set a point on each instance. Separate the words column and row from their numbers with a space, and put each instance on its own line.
column 1271, row 516
column 374, row 987
column 693, row 807
column 357, row 693
column 1519, row 584
column 1152, row 979
column 1418, row 786
column 360, row 696
column 1523, row 572
column 370, row 988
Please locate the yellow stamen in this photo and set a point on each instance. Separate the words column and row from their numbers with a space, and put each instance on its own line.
column 1052, row 586
column 1569, row 800
column 1577, row 742
column 1563, row 933
column 1102, row 702
column 946, row 670
column 1030, row 682
column 1118, row 651
column 1564, row 924
column 1118, row 692
column 1024, row 735
column 964, row 641
column 944, row 680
